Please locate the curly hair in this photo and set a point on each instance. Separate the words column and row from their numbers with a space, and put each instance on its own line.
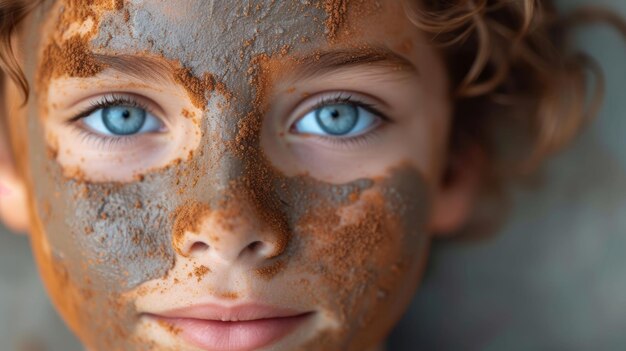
column 514, row 73
column 512, row 65
column 12, row 13
column 521, row 90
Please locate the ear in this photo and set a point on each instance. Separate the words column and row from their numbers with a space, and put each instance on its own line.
column 13, row 207
column 458, row 190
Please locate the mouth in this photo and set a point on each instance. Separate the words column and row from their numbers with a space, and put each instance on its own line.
column 239, row 328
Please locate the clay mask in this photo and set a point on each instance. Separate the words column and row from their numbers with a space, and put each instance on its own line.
column 343, row 250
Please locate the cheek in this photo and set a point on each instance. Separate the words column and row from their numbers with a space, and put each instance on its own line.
column 116, row 235
column 367, row 256
column 94, row 241
column 100, row 319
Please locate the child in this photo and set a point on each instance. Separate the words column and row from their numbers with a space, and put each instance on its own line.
column 263, row 175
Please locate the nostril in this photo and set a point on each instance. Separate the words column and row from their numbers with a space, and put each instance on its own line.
column 262, row 249
column 198, row 247
column 256, row 246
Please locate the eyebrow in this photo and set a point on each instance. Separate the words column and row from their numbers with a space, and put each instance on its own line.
column 141, row 68
column 329, row 61
column 155, row 70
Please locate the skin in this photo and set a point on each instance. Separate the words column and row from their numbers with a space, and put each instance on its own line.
column 111, row 224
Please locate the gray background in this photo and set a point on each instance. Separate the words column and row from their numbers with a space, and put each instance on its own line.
column 553, row 278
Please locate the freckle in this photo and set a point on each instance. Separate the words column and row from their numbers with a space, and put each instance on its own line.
column 200, row 272
column 230, row 295
column 169, row 327
column 291, row 90
column 187, row 114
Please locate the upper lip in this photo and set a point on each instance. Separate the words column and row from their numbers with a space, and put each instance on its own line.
column 238, row 313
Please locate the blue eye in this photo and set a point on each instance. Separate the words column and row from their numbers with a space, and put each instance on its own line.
column 338, row 120
column 120, row 120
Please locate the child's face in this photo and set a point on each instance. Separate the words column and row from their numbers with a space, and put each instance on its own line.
column 293, row 170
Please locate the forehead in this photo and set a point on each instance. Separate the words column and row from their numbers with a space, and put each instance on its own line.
column 215, row 36
column 222, row 35
column 226, row 39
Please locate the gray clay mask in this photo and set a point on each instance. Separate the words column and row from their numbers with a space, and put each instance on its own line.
column 108, row 238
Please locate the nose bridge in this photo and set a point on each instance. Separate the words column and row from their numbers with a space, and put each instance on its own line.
column 234, row 223
column 224, row 170
column 230, row 146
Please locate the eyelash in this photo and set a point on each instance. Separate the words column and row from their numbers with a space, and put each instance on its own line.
column 347, row 98
column 108, row 101
column 106, row 141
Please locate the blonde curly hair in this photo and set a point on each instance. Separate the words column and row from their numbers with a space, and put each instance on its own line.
column 521, row 90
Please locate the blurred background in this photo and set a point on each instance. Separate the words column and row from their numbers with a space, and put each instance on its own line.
column 553, row 278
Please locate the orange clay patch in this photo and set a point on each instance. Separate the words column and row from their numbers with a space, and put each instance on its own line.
column 188, row 218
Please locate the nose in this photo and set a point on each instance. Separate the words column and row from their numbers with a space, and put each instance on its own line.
column 230, row 234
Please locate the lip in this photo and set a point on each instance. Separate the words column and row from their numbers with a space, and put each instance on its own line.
column 237, row 328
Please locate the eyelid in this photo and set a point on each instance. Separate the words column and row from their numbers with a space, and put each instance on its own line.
column 106, row 142
column 366, row 101
column 121, row 98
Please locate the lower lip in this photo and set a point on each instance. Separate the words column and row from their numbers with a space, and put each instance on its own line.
column 213, row 335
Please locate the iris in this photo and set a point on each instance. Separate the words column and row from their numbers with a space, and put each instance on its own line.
column 337, row 119
column 123, row 120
